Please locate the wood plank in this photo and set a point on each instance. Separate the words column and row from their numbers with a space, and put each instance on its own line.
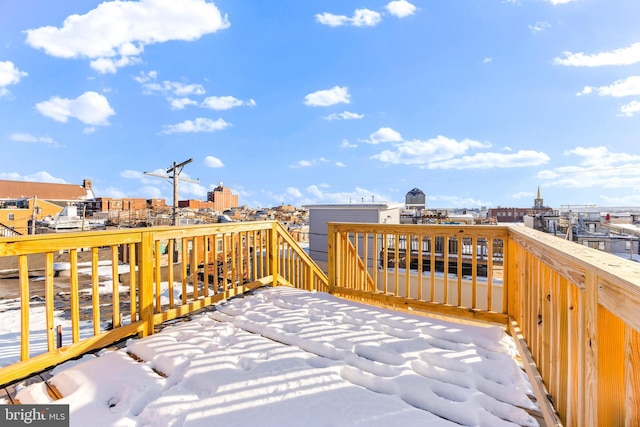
column 44, row 361
column 590, row 351
column 437, row 308
column 611, row 363
column 632, row 377
column 551, row 417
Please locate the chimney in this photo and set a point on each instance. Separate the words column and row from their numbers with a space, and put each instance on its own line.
column 86, row 184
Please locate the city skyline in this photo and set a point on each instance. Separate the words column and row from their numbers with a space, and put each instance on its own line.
column 295, row 103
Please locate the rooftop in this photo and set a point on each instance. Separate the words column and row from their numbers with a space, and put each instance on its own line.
column 291, row 357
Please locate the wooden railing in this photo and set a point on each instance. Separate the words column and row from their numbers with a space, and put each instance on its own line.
column 573, row 311
column 157, row 274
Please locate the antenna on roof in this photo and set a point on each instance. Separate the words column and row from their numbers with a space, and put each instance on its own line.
column 177, row 170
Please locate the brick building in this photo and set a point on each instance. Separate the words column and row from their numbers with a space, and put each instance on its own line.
column 196, row 204
column 24, row 201
column 222, row 198
column 502, row 214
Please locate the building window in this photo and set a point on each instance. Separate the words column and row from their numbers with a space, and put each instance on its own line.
column 601, row 246
column 10, row 218
column 627, row 244
column 585, row 243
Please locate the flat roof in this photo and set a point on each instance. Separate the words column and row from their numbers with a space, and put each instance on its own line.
column 385, row 205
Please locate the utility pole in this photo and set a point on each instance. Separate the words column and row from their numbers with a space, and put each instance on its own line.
column 33, row 214
column 175, row 172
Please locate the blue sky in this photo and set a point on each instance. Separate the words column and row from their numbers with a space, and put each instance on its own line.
column 475, row 102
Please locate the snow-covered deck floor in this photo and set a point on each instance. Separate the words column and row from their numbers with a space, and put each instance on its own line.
column 286, row 357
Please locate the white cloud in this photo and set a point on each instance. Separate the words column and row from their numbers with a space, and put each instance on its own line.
column 112, row 192
column 131, row 174
column 328, row 97
column 9, row 75
column 340, row 165
column 115, row 33
column 627, row 87
column 181, row 103
column 626, row 200
column 294, row 192
column 225, row 102
column 400, row 8
column 25, row 137
column 598, row 167
column 539, row 26
column 384, row 135
column 179, row 89
column 625, row 56
column 198, row 125
column 308, row 163
column 302, row 164
column 346, row 144
column 446, row 153
column 365, row 18
column 522, row 158
column 361, row 18
column 428, row 152
column 331, row 19
column 630, row 109
column 523, row 195
column 90, row 108
column 213, row 162
column 194, row 189
column 41, row 176
column 487, row 60
column 347, row 115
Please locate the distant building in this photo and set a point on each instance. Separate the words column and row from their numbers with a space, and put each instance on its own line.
column 60, row 194
column 416, row 199
column 108, row 204
column 503, row 214
column 17, row 216
column 222, row 198
column 23, row 201
column 196, row 204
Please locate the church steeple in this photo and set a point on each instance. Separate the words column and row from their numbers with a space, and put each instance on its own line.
column 538, row 202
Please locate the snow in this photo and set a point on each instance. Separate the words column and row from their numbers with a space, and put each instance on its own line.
column 287, row 357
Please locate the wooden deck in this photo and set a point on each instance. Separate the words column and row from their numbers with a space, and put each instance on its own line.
column 574, row 309
column 8, row 392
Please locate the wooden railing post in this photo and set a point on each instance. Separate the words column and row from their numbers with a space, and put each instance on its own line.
column 331, row 256
column 274, row 253
column 590, row 351
column 145, row 271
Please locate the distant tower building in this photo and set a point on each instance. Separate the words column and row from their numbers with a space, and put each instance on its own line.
column 415, row 199
column 222, row 198
column 538, row 203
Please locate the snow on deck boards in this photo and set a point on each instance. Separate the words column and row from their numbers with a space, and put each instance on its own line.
column 283, row 356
